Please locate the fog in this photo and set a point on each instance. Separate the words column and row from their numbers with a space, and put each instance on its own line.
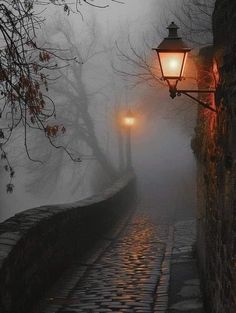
column 89, row 97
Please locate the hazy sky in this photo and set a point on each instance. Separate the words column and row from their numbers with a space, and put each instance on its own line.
column 138, row 12
column 132, row 10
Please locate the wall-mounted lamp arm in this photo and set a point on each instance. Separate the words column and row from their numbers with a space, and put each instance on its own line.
column 204, row 104
column 177, row 92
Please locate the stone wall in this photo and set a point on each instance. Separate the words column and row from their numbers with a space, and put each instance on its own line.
column 36, row 245
column 215, row 148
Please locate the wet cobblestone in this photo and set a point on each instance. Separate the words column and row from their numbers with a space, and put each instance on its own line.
column 124, row 278
column 161, row 298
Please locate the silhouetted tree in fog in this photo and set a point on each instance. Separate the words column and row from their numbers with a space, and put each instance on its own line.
column 25, row 68
column 194, row 18
column 75, row 110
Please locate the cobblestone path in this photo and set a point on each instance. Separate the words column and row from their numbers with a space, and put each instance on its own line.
column 125, row 278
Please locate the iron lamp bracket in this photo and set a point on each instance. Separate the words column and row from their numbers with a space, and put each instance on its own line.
column 178, row 92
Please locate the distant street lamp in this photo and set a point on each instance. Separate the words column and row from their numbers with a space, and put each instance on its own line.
column 172, row 55
column 129, row 121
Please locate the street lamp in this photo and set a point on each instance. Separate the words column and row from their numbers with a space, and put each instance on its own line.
column 172, row 54
column 129, row 121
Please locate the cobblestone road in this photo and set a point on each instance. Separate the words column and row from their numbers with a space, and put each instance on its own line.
column 125, row 278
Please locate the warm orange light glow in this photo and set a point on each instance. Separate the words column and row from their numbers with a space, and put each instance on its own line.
column 129, row 120
column 172, row 63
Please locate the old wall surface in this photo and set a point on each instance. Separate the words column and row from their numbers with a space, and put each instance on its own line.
column 36, row 245
column 215, row 148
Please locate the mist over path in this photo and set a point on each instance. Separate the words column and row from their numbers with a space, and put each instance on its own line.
column 165, row 169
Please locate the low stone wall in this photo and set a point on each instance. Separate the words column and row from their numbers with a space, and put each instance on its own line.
column 36, row 245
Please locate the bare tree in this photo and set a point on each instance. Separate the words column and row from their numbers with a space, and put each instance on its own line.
column 25, row 69
column 195, row 19
column 74, row 107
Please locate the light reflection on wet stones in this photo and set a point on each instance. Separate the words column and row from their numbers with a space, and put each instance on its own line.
column 124, row 279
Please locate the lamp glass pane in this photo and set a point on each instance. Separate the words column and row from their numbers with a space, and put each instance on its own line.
column 172, row 63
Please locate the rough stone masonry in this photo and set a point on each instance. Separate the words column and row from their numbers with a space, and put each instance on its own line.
column 215, row 148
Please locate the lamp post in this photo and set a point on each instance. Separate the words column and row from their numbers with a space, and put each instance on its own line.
column 129, row 122
column 172, row 54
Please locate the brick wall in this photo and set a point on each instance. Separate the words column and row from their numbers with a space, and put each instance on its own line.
column 36, row 245
column 215, row 148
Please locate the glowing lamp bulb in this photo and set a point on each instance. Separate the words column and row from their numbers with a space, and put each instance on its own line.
column 173, row 64
column 129, row 121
